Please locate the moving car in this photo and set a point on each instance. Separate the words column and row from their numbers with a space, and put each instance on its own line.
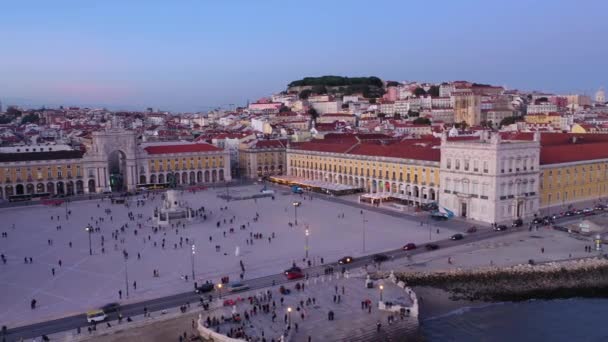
column 96, row 316
column 431, row 246
column 472, row 229
column 345, row 260
column 457, row 237
column 409, row 246
column 517, row 223
column 500, row 227
column 237, row 287
column 294, row 273
column 110, row 307
column 380, row 257
column 297, row 190
column 204, row 288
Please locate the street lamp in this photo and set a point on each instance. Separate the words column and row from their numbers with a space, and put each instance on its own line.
column 295, row 210
column 289, row 315
column 219, row 288
column 381, row 290
column 126, row 276
column 306, row 233
column 363, row 230
column 193, row 252
column 89, row 230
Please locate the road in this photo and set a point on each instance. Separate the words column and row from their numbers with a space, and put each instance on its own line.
column 73, row 322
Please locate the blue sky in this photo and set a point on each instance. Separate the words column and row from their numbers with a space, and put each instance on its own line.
column 192, row 55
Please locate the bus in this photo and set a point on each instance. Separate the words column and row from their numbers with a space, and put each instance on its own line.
column 19, row 198
column 29, row 197
column 156, row 186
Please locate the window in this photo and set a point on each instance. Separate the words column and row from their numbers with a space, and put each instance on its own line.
column 448, row 163
column 475, row 165
column 485, row 167
column 466, row 165
column 457, row 164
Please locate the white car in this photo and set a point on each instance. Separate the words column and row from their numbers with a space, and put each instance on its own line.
column 96, row 316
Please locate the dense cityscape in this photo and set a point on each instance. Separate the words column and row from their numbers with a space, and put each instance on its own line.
column 303, row 172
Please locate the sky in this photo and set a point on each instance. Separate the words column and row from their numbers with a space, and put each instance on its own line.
column 196, row 55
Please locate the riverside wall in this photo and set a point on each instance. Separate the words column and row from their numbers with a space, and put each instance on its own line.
column 563, row 279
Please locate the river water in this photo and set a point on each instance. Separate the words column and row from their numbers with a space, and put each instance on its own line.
column 576, row 319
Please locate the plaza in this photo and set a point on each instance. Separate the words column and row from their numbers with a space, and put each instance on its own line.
column 84, row 281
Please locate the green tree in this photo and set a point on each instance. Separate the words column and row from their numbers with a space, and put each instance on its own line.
column 319, row 89
column 13, row 111
column 412, row 114
column 33, row 118
column 5, row 119
column 313, row 113
column 284, row 109
column 422, row 121
column 305, row 94
column 433, row 91
column 509, row 121
column 392, row 84
column 419, row 91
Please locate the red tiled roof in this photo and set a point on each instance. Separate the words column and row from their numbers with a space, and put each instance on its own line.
column 323, row 147
column 269, row 144
column 571, row 153
column 185, row 148
column 403, row 149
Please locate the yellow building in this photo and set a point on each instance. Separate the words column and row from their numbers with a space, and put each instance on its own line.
column 574, row 170
column 41, row 171
column 259, row 158
column 408, row 170
column 553, row 119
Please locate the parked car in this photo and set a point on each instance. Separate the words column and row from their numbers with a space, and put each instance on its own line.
column 457, row 237
column 500, row 227
column 472, row 229
column 431, row 246
column 95, row 316
column 345, row 260
column 204, row 288
column 380, row 257
column 237, row 287
column 110, row 307
column 294, row 273
column 409, row 246
column 518, row 223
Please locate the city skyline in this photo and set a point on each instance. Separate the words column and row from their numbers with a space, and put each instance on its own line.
column 198, row 56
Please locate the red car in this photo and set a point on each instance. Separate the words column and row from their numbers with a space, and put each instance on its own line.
column 294, row 273
column 409, row 246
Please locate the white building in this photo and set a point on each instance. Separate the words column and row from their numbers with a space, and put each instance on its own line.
column 323, row 107
column 446, row 89
column 490, row 180
column 543, row 107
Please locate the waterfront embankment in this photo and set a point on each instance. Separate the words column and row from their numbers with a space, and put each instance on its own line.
column 561, row 279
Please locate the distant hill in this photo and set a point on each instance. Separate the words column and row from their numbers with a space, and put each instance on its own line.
column 369, row 87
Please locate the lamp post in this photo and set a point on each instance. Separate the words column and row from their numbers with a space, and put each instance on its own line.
column 295, row 211
column 363, row 230
column 306, row 233
column 289, row 315
column 219, row 288
column 381, row 290
column 192, row 258
column 89, row 230
column 126, row 277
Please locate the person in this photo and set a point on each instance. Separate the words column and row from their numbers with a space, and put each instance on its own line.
column 33, row 304
column 378, row 326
